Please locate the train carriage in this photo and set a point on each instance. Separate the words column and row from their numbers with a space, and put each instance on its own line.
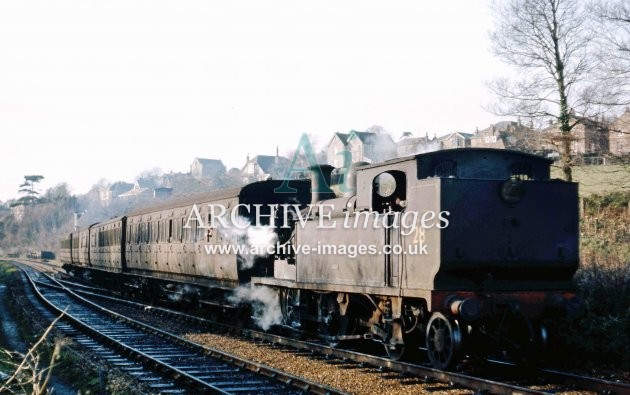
column 65, row 248
column 106, row 245
column 163, row 250
column 81, row 249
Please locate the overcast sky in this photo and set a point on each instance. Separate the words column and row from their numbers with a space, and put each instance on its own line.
column 107, row 89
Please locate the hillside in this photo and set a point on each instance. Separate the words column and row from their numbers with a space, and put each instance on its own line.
column 599, row 180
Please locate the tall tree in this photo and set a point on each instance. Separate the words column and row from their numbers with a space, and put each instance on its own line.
column 550, row 44
column 28, row 189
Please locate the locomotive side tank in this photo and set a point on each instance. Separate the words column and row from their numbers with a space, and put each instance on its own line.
column 459, row 248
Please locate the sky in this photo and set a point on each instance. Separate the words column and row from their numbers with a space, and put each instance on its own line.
column 93, row 90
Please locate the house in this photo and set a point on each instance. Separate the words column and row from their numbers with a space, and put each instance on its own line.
column 409, row 145
column 367, row 147
column 509, row 135
column 337, row 145
column 589, row 138
column 137, row 190
column 109, row 193
column 455, row 140
column 206, row 168
column 371, row 147
column 492, row 137
column 619, row 135
column 264, row 167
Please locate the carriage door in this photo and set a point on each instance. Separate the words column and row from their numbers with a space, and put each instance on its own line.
column 389, row 198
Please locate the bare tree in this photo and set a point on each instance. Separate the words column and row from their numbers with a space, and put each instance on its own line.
column 550, row 44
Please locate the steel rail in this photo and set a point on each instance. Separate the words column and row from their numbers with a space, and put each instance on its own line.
column 180, row 375
column 479, row 384
column 565, row 378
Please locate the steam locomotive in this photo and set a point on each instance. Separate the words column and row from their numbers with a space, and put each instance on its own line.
column 459, row 252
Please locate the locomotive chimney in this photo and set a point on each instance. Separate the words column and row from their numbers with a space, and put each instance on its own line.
column 320, row 183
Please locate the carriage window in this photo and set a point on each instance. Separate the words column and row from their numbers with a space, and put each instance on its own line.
column 181, row 231
column 193, row 232
column 170, row 230
column 389, row 191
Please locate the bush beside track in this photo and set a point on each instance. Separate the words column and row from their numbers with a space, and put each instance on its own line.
column 603, row 280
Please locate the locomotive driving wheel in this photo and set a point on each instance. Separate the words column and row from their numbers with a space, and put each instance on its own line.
column 443, row 340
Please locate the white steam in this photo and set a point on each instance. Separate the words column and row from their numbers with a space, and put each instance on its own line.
column 428, row 146
column 265, row 304
column 176, row 293
column 259, row 241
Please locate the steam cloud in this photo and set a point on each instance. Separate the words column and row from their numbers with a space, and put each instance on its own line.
column 176, row 294
column 257, row 240
column 430, row 146
column 264, row 301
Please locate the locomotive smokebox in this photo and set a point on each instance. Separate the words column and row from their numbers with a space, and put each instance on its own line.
column 320, row 183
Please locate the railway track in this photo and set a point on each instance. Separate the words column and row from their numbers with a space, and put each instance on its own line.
column 164, row 362
column 567, row 381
